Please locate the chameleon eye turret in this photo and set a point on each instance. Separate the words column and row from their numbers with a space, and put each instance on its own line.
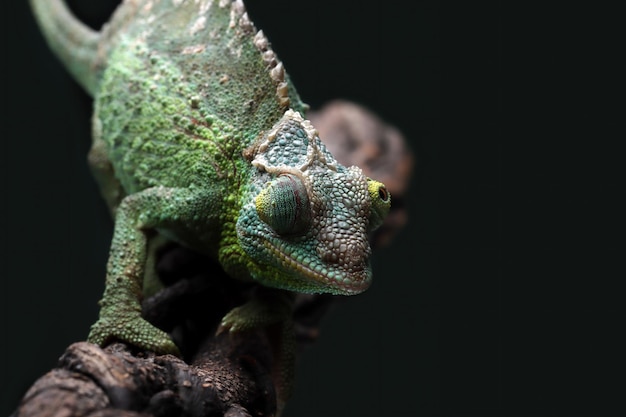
column 284, row 205
column 381, row 203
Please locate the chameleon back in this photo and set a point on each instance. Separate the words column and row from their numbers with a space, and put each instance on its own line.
column 170, row 96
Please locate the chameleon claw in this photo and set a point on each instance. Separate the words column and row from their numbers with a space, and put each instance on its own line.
column 231, row 323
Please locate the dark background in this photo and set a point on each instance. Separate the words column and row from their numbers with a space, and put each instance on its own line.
column 504, row 294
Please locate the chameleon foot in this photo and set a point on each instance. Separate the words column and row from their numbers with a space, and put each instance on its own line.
column 133, row 330
column 254, row 314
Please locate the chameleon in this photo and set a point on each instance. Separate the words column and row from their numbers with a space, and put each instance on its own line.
column 199, row 136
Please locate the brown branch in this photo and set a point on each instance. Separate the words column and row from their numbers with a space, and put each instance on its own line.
column 221, row 375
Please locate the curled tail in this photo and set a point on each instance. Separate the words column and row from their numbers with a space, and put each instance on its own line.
column 74, row 43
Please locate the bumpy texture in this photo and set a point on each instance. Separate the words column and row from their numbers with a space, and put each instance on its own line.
column 198, row 135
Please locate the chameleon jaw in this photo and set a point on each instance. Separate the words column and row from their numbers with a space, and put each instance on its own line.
column 322, row 279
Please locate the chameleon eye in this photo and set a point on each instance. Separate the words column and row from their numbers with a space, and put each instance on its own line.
column 284, row 205
column 381, row 202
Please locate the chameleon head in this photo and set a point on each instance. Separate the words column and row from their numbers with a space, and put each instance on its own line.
column 305, row 221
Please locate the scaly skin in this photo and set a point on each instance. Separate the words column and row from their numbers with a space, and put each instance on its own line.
column 198, row 134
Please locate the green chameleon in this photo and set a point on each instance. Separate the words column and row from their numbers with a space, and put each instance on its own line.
column 198, row 134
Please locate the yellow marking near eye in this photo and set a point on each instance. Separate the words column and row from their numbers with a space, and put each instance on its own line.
column 381, row 202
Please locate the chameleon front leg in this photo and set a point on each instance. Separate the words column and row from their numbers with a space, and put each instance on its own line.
column 272, row 310
column 120, row 306
column 112, row 191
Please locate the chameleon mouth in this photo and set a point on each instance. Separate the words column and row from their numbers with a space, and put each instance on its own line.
column 321, row 278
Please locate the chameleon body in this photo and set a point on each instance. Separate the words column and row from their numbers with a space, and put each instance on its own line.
column 198, row 134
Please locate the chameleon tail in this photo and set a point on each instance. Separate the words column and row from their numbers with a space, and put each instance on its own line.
column 74, row 43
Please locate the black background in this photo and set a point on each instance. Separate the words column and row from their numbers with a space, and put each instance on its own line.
column 502, row 296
